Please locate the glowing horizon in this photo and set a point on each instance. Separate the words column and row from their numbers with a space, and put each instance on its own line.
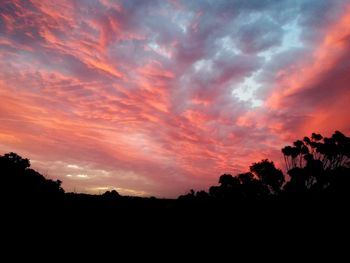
column 154, row 98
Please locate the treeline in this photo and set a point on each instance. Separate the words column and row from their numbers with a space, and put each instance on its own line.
column 318, row 169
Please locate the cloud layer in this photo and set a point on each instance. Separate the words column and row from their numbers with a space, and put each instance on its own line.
column 157, row 97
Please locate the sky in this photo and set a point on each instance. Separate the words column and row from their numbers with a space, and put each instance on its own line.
column 153, row 98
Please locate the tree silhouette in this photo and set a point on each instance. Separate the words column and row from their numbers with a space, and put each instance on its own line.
column 243, row 186
column 251, row 187
column 111, row 194
column 333, row 152
column 269, row 175
column 317, row 164
column 19, row 180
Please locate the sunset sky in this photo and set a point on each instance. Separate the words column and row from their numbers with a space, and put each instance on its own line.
column 153, row 98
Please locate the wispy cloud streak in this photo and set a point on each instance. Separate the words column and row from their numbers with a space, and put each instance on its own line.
column 157, row 97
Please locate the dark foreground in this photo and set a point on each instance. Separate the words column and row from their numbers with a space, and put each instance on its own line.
column 77, row 226
column 254, row 214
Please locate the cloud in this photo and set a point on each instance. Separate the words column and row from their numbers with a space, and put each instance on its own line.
column 157, row 97
column 319, row 84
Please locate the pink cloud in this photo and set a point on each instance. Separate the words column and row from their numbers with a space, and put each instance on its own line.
column 318, row 88
column 139, row 98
